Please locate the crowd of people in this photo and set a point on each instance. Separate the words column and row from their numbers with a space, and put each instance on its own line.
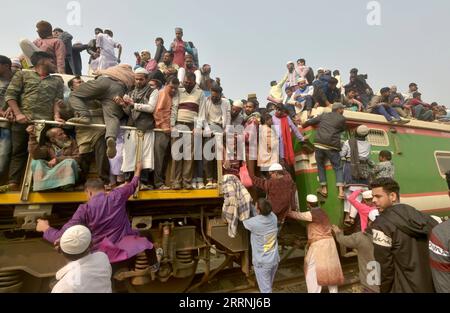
column 168, row 102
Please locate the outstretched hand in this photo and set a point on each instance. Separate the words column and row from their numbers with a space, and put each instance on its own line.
column 42, row 226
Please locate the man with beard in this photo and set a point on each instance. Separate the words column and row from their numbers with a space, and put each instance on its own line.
column 189, row 67
column 400, row 238
column 217, row 114
column 185, row 116
column 359, row 83
column 31, row 95
column 55, row 164
column 167, row 67
column 139, row 105
column 167, row 96
column 292, row 75
column 236, row 113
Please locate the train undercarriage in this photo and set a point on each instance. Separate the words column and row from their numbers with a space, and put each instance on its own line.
column 191, row 232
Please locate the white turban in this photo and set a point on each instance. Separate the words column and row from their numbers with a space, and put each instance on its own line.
column 141, row 70
column 75, row 240
column 367, row 194
column 312, row 199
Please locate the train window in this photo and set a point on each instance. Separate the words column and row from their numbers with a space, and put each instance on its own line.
column 442, row 161
column 378, row 137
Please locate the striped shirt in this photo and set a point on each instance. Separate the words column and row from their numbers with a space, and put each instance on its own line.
column 188, row 107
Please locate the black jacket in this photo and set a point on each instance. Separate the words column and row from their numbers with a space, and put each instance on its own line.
column 331, row 125
column 400, row 237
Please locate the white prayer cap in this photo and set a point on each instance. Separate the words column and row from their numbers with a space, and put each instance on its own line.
column 141, row 70
column 373, row 215
column 301, row 80
column 238, row 104
column 362, row 130
column 312, row 199
column 75, row 240
column 290, row 62
column 275, row 167
column 367, row 194
column 437, row 218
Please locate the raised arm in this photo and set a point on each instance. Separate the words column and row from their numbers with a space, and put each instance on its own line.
column 300, row 216
column 294, row 128
column 122, row 194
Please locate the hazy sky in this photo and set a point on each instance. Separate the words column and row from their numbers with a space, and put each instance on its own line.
column 249, row 42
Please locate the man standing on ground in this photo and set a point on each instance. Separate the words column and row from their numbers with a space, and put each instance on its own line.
column 263, row 229
column 280, row 190
column 86, row 272
column 400, row 237
column 322, row 264
column 362, row 242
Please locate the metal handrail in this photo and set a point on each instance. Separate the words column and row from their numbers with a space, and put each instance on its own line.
column 2, row 119
column 26, row 185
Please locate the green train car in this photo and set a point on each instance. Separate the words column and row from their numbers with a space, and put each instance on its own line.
column 421, row 155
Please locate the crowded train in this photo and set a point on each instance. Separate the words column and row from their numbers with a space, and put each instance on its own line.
column 203, row 171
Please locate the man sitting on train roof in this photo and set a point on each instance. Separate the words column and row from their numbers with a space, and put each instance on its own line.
column 107, row 218
column 421, row 110
column 380, row 105
column 55, row 164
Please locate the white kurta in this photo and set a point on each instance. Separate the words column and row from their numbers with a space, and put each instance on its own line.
column 90, row 274
column 130, row 150
column 107, row 57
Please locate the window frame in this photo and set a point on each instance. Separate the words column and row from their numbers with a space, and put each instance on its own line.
column 437, row 163
column 386, row 136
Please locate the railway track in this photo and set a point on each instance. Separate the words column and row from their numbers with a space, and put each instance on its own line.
column 290, row 278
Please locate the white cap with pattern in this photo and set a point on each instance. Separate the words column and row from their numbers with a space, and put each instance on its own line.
column 75, row 240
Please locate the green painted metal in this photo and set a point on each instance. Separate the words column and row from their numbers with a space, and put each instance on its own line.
column 416, row 169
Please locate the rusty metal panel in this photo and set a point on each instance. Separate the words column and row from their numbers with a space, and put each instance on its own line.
column 217, row 229
column 35, row 256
